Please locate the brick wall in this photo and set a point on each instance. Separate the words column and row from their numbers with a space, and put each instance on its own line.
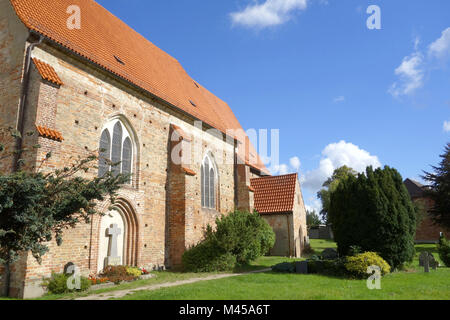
column 79, row 109
column 13, row 35
column 428, row 231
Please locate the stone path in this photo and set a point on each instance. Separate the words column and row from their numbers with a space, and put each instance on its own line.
column 122, row 293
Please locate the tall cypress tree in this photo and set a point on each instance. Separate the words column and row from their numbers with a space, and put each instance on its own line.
column 439, row 190
column 374, row 211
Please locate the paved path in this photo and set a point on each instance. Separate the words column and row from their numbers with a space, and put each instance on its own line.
column 121, row 293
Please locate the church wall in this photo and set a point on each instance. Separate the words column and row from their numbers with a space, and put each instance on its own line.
column 13, row 35
column 282, row 227
column 427, row 231
column 81, row 106
column 300, row 231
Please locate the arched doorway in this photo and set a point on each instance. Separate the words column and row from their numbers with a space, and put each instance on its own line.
column 112, row 240
column 118, row 236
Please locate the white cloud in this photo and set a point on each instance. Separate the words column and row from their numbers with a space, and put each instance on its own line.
column 339, row 99
column 441, row 47
column 282, row 169
column 446, row 126
column 411, row 75
column 268, row 14
column 314, row 205
column 334, row 156
column 411, row 72
column 295, row 163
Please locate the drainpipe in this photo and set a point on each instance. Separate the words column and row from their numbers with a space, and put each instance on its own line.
column 19, row 141
column 23, row 101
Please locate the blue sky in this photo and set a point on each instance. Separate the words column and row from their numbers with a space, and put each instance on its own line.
column 338, row 92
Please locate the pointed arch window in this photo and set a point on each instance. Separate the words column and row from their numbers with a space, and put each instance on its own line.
column 105, row 150
column 115, row 150
column 208, row 183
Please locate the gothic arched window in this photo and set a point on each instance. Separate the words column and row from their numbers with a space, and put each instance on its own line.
column 208, row 183
column 118, row 150
column 105, row 151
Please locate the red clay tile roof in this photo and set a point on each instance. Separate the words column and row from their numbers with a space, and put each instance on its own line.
column 107, row 41
column 49, row 133
column 275, row 194
column 189, row 172
column 47, row 72
column 181, row 133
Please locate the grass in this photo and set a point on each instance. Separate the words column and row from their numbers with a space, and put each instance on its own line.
column 161, row 277
column 273, row 286
column 413, row 284
column 407, row 285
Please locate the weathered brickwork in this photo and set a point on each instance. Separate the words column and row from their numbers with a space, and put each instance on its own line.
column 162, row 206
column 428, row 231
column 79, row 109
column 290, row 228
column 13, row 35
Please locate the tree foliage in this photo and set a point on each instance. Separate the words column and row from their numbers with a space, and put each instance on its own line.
column 36, row 207
column 239, row 238
column 439, row 189
column 374, row 212
column 330, row 186
column 312, row 219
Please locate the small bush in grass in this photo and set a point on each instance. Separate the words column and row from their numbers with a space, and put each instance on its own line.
column 245, row 235
column 284, row 267
column 57, row 284
column 444, row 251
column 207, row 257
column 357, row 265
column 327, row 267
column 238, row 239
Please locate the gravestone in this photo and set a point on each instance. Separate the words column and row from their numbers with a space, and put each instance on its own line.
column 427, row 260
column 113, row 259
column 330, row 254
column 301, row 267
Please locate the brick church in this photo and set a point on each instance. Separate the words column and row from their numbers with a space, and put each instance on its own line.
column 103, row 86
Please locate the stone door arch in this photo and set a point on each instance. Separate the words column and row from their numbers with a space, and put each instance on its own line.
column 121, row 221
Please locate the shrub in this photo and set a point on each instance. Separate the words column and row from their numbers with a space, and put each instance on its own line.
column 245, row 235
column 284, row 267
column 239, row 238
column 117, row 274
column 134, row 271
column 374, row 211
column 307, row 250
column 354, row 250
column 207, row 257
column 357, row 265
column 444, row 251
column 57, row 284
column 327, row 267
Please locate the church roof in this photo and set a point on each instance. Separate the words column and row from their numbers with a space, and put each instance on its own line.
column 109, row 43
column 274, row 194
column 415, row 188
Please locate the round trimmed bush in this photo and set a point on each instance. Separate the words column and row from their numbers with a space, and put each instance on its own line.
column 207, row 257
column 57, row 284
column 357, row 265
column 238, row 239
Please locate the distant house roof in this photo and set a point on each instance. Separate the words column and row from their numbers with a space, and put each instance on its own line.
column 415, row 188
column 275, row 194
column 111, row 44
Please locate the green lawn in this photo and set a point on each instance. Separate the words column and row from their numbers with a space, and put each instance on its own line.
column 411, row 285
